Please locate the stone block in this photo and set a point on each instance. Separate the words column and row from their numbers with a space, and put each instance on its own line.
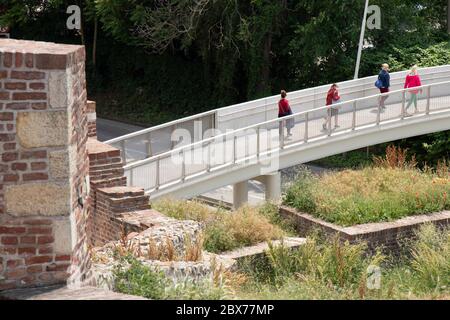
column 60, row 89
column 63, row 235
column 45, row 199
column 59, row 164
column 42, row 129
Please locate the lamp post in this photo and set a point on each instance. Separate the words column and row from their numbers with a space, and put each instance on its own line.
column 361, row 39
column 448, row 16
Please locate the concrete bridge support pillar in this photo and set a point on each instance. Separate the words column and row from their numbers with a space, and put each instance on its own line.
column 240, row 194
column 273, row 186
column 272, row 183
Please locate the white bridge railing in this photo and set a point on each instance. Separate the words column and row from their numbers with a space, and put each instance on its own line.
column 265, row 141
column 157, row 140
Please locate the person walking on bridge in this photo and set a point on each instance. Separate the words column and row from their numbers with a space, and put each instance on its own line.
column 383, row 83
column 284, row 110
column 332, row 98
column 413, row 81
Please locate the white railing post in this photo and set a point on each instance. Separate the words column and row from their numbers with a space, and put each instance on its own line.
column 378, row 120
column 234, row 149
column 403, row 104
column 258, row 142
column 158, row 170
column 281, row 133
column 305, row 138
column 208, row 158
column 183, row 166
column 131, row 177
column 329, row 121
column 428, row 100
column 355, row 105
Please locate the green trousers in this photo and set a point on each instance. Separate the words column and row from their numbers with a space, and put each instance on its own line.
column 412, row 99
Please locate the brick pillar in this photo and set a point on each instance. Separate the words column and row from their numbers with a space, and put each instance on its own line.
column 44, row 185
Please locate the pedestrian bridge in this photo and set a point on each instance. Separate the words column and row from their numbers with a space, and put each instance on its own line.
column 231, row 145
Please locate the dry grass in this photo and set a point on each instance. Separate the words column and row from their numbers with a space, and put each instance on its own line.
column 395, row 158
column 392, row 189
column 225, row 230
column 249, row 227
column 185, row 210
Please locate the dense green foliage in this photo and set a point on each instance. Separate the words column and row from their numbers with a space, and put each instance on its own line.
column 372, row 194
column 153, row 61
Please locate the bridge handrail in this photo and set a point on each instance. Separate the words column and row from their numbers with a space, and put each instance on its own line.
column 215, row 112
column 161, row 126
column 273, row 121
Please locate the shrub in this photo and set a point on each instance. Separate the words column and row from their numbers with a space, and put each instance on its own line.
column 225, row 230
column 244, row 227
column 132, row 277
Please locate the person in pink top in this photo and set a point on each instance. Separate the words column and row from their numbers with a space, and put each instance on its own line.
column 413, row 81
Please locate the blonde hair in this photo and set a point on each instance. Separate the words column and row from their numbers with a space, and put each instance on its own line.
column 414, row 69
column 385, row 66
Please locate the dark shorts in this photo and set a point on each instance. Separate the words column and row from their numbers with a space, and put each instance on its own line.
column 384, row 90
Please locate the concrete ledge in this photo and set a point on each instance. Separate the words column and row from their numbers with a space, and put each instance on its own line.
column 386, row 234
column 260, row 248
column 64, row 293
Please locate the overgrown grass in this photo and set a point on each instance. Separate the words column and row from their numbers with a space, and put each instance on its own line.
column 390, row 190
column 336, row 270
column 320, row 269
column 225, row 230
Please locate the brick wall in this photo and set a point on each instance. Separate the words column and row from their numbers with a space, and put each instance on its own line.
column 386, row 234
column 44, row 166
column 111, row 204
column 109, row 194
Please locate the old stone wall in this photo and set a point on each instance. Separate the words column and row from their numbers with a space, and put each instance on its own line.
column 44, row 202
column 388, row 235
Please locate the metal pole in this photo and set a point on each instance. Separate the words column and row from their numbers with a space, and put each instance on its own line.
column 361, row 39
column 448, row 16
column 306, row 127
column 428, row 99
column 258, row 142
column 183, row 167
column 157, row 178
column 354, row 115
column 403, row 105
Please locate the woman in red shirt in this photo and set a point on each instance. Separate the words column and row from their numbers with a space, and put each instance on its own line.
column 332, row 98
column 284, row 109
column 413, row 81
